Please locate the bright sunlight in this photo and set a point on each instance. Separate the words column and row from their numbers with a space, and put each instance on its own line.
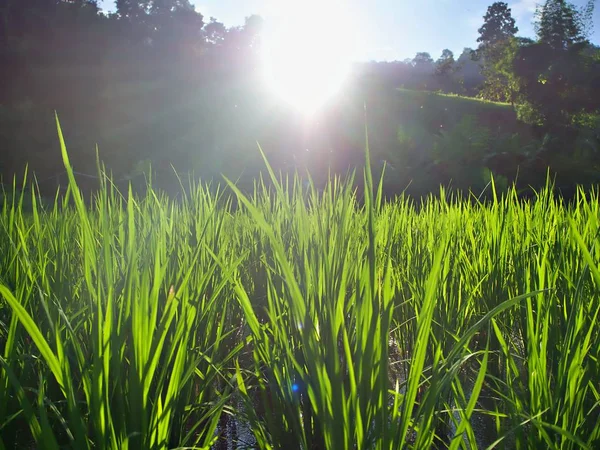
column 306, row 69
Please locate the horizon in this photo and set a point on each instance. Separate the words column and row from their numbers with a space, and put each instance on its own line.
column 385, row 24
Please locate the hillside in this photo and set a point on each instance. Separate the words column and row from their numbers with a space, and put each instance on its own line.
column 426, row 138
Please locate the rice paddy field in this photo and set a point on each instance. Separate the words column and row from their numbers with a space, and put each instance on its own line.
column 307, row 318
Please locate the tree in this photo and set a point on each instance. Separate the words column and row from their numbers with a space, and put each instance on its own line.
column 132, row 10
column 174, row 21
column 557, row 76
column 445, row 65
column 423, row 69
column 498, row 25
column 468, row 72
column 560, row 24
column 497, row 29
column 557, row 85
column 495, row 37
column 167, row 24
column 253, row 28
column 445, row 69
column 215, row 32
column 501, row 83
column 422, row 59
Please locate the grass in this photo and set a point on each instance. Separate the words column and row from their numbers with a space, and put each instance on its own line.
column 136, row 322
column 449, row 109
column 456, row 99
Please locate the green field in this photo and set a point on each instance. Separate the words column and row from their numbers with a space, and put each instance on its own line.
column 313, row 319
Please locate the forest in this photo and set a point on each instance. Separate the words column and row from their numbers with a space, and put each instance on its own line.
column 158, row 75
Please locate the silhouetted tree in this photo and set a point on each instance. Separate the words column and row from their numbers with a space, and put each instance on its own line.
column 498, row 25
column 134, row 11
column 558, row 76
column 468, row 72
column 163, row 24
column 445, row 64
column 560, row 24
column 422, row 59
column 494, row 39
column 215, row 32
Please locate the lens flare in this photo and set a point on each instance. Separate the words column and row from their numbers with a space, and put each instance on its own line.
column 307, row 51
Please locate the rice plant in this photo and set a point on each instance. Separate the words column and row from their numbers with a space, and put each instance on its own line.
column 318, row 319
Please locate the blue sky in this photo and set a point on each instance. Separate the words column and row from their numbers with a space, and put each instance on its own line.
column 397, row 29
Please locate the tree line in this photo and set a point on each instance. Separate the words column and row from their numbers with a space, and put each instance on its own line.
column 129, row 80
column 552, row 80
column 156, row 78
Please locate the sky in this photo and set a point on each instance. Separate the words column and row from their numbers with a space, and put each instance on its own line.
column 395, row 29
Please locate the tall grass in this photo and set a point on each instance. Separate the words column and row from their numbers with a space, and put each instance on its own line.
column 131, row 322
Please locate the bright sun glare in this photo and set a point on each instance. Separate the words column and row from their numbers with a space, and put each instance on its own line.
column 307, row 51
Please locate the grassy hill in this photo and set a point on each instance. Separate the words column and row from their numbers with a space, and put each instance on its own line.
column 426, row 138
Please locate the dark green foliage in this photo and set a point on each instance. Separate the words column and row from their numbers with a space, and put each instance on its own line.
column 556, row 77
column 445, row 64
column 560, row 24
column 445, row 72
column 558, row 83
column 499, row 25
column 552, row 82
column 495, row 39
column 135, row 82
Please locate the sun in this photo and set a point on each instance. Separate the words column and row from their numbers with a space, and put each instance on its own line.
column 307, row 51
